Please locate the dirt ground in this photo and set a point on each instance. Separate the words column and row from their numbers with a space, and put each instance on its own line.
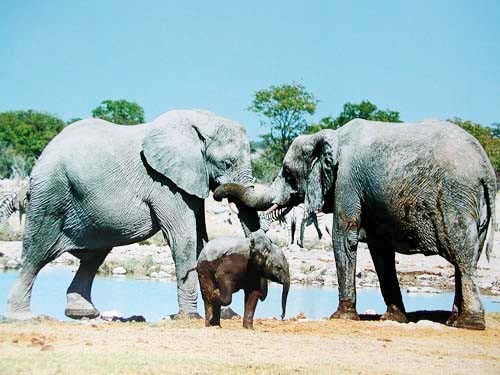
column 274, row 347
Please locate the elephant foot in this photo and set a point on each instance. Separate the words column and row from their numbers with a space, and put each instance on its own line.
column 182, row 315
column 467, row 321
column 79, row 308
column 395, row 314
column 228, row 313
column 18, row 315
column 452, row 319
column 248, row 325
column 212, row 323
column 346, row 310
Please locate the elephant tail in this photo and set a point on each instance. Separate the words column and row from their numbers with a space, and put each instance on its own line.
column 187, row 274
column 489, row 196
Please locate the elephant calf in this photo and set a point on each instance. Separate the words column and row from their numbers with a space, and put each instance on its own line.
column 228, row 264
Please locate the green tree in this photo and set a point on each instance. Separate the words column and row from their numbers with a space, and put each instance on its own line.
column 119, row 112
column 495, row 129
column 486, row 136
column 365, row 110
column 23, row 136
column 283, row 109
column 72, row 120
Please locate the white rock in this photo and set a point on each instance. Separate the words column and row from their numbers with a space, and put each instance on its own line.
column 168, row 268
column 110, row 314
column 163, row 274
column 119, row 271
column 429, row 324
column 12, row 263
column 370, row 312
column 2, row 266
column 423, row 289
column 154, row 275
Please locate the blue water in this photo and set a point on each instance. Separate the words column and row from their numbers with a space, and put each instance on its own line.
column 156, row 299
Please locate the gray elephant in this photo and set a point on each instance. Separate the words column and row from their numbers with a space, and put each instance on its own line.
column 228, row 264
column 411, row 188
column 98, row 185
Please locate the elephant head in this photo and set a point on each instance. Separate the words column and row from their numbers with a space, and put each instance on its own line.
column 307, row 176
column 198, row 151
column 272, row 263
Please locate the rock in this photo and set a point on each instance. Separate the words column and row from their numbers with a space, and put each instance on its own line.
column 110, row 314
column 370, row 312
column 2, row 266
column 163, row 275
column 229, row 313
column 119, row 271
column 421, row 289
column 429, row 324
column 131, row 319
column 168, row 268
column 154, row 275
column 12, row 264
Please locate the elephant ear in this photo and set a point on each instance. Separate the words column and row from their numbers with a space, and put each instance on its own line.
column 322, row 173
column 260, row 247
column 177, row 151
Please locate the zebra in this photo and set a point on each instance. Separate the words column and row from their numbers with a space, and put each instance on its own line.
column 13, row 201
column 290, row 216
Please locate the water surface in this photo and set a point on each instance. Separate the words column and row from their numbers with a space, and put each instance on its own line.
column 156, row 299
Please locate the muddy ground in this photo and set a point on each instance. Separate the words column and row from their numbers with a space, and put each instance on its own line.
column 274, row 347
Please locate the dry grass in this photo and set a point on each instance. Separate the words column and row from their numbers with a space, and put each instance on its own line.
column 315, row 347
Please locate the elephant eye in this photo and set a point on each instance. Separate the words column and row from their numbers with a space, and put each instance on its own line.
column 228, row 163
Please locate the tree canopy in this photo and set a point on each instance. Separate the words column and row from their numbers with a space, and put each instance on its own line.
column 365, row 110
column 23, row 136
column 486, row 136
column 283, row 109
column 120, row 112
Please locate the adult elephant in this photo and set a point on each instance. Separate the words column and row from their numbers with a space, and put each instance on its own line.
column 411, row 188
column 98, row 185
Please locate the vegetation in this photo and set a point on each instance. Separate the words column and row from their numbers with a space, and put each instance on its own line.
column 23, row 136
column 119, row 112
column 487, row 136
column 283, row 110
column 365, row 110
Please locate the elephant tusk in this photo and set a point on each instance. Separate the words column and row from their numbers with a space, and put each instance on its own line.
column 274, row 207
column 233, row 208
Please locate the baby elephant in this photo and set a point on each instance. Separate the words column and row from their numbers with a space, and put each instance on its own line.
column 228, row 264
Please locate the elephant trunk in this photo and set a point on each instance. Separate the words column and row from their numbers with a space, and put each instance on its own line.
column 284, row 296
column 246, row 195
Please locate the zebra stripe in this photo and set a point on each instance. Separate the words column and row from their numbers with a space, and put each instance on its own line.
column 7, row 205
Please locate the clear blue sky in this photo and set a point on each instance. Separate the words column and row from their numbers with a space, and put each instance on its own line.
column 426, row 59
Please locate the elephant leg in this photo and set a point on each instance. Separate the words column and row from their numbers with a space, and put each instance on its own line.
column 226, row 289
column 458, row 300
column 184, row 254
column 210, row 295
column 41, row 245
column 184, row 238
column 251, row 299
column 18, row 305
column 293, row 228
column 79, row 303
column 468, row 311
column 385, row 266
column 345, row 245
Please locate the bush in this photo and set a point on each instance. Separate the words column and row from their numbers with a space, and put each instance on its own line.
column 23, row 136
column 264, row 169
